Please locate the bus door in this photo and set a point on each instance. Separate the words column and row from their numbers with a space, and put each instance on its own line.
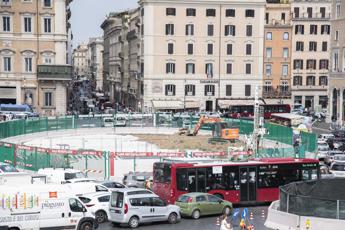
column 201, row 180
column 248, row 183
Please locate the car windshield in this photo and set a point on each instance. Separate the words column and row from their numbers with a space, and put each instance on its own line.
column 339, row 158
column 85, row 200
column 338, row 167
column 183, row 199
column 69, row 176
column 7, row 168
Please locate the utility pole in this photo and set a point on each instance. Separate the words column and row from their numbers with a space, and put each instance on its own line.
column 257, row 129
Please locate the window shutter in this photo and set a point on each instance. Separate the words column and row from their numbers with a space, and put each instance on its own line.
column 226, row 30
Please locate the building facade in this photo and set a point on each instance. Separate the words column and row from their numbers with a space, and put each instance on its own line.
column 276, row 87
column 337, row 65
column 33, row 56
column 310, row 53
column 81, row 60
column 95, row 49
column 201, row 55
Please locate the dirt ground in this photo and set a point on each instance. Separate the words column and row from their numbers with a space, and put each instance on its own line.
column 175, row 141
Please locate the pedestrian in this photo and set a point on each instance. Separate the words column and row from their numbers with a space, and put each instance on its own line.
column 224, row 225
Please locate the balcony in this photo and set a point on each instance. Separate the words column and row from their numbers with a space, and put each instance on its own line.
column 277, row 93
column 55, row 72
column 312, row 17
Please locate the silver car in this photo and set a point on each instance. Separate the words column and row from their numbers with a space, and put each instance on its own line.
column 133, row 206
column 136, row 179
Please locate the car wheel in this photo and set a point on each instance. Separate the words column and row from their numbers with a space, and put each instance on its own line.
column 101, row 216
column 172, row 219
column 86, row 226
column 196, row 214
column 227, row 210
column 133, row 222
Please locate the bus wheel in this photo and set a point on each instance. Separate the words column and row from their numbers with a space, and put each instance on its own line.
column 196, row 214
column 219, row 196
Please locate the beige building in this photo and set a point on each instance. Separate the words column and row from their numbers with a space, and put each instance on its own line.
column 337, row 65
column 81, row 60
column 310, row 52
column 277, row 54
column 95, row 50
column 33, row 50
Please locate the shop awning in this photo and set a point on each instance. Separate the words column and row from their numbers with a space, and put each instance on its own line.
column 164, row 104
column 224, row 104
column 192, row 104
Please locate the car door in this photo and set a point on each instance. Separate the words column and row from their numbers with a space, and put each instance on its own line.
column 202, row 204
column 104, row 203
column 159, row 208
column 141, row 206
column 54, row 213
column 215, row 204
column 76, row 211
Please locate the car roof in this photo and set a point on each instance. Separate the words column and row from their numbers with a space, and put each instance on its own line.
column 194, row 194
column 126, row 190
column 94, row 194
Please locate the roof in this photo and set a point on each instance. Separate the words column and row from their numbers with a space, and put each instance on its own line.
column 95, row 194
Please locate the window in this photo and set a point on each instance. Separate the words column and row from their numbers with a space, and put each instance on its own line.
column 210, row 29
column 247, row 90
column 248, row 49
column 313, row 29
column 201, row 198
column 299, row 29
column 228, row 90
column 48, row 96
column 75, row 205
column 210, row 13
column 170, row 48
column 27, row 24
column 170, row 11
column 250, row 13
column 336, row 37
column 190, row 29
column 267, row 18
column 296, row 12
column 277, row 175
column 299, row 46
column 323, row 12
column 190, row 12
column 323, row 64
column 336, row 60
column 285, row 52
column 297, row 80
column 209, row 90
column 169, row 29
column 158, row 202
column 298, row 64
column 170, row 67
column 268, row 52
column 228, row 68
column 230, row 13
column 140, row 202
column 269, row 36
column 209, row 70
column 47, row 3
column 230, row 30
column 311, row 64
column 268, row 69
column 312, row 46
column 6, row 23
column 310, row 80
column 286, row 36
column 337, row 10
column 190, row 90
column 284, row 86
column 310, row 12
column 7, row 64
column 325, row 29
column 190, row 68
column 190, row 48
column 209, row 49
column 267, row 86
column 249, row 30
column 248, row 68
column 116, row 200
column 285, row 70
column 28, row 64
column 323, row 81
column 229, row 49
column 170, row 90
column 47, row 25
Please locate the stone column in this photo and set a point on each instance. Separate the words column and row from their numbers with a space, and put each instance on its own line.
column 341, row 109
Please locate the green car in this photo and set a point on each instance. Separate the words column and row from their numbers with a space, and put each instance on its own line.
column 197, row 204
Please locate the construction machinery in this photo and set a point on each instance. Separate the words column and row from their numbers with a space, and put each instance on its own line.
column 220, row 129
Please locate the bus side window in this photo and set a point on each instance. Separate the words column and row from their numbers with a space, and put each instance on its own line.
column 181, row 179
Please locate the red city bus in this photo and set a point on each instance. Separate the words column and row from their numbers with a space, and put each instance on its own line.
column 238, row 182
column 238, row 111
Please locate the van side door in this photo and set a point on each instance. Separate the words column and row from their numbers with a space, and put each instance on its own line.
column 54, row 214
column 159, row 209
column 142, row 207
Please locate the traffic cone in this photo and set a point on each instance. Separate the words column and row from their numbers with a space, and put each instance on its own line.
column 263, row 213
column 251, row 216
column 218, row 222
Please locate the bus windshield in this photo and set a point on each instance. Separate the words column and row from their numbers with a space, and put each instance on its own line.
column 162, row 173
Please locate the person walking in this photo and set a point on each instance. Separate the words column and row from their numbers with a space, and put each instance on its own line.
column 224, row 225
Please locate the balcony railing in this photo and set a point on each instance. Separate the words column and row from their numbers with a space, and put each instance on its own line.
column 54, row 72
column 276, row 93
column 314, row 16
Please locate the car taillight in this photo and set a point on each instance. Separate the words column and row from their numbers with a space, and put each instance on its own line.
column 126, row 208
column 89, row 205
column 190, row 200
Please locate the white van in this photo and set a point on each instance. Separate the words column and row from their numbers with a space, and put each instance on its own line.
column 22, row 178
column 60, row 175
column 35, row 207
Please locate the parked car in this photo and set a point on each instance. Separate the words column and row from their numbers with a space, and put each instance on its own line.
column 113, row 184
column 136, row 179
column 338, row 169
column 7, row 168
column 133, row 206
column 80, row 180
column 330, row 158
column 200, row 204
column 97, row 203
column 110, row 122
column 322, row 150
column 325, row 136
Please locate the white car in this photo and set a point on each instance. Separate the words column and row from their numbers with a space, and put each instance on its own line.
column 322, row 150
column 81, row 180
column 98, row 204
column 338, row 169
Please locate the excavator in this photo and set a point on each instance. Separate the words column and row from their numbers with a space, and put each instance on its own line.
column 220, row 129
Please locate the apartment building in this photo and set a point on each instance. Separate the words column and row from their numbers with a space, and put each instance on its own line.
column 33, row 48
column 277, row 53
column 95, row 50
column 310, row 52
column 81, row 60
column 337, row 65
column 204, row 54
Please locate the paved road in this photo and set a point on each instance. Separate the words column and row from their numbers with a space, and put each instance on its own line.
column 206, row 223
